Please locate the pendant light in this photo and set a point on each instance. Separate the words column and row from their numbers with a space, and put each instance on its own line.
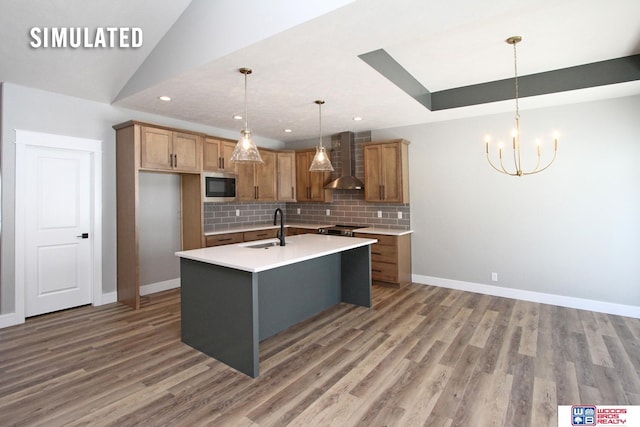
column 246, row 150
column 321, row 162
column 515, row 135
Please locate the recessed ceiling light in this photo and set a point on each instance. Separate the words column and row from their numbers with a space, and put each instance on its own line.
column 287, row 130
column 164, row 98
column 237, row 117
column 357, row 119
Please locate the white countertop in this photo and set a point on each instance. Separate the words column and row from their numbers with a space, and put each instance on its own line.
column 242, row 229
column 298, row 248
column 379, row 230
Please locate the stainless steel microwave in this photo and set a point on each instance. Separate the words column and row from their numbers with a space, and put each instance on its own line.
column 219, row 187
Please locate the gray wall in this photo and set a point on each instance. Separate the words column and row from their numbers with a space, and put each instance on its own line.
column 40, row 111
column 159, row 205
column 573, row 230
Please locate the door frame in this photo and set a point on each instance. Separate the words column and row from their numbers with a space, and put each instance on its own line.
column 25, row 139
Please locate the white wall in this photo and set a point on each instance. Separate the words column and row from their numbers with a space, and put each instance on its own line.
column 573, row 230
column 36, row 110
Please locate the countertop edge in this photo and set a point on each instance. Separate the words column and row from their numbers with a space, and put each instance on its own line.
column 197, row 254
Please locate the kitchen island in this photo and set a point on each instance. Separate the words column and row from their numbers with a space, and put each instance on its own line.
column 234, row 296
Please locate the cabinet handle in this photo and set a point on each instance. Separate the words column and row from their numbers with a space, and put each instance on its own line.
column 384, row 195
column 224, row 240
column 170, row 160
column 377, row 271
column 376, row 253
column 222, row 158
column 292, row 195
column 175, row 160
column 255, row 192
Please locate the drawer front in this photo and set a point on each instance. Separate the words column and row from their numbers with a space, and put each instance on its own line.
column 223, row 239
column 382, row 253
column 383, row 239
column 384, row 272
column 260, row 234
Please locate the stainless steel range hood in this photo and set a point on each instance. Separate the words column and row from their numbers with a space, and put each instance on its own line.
column 347, row 181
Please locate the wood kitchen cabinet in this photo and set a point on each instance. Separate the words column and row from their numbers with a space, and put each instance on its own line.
column 286, row 166
column 310, row 185
column 216, row 155
column 257, row 182
column 223, row 239
column 163, row 149
column 386, row 171
column 390, row 259
column 144, row 148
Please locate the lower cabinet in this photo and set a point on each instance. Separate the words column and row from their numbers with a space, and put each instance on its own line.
column 293, row 231
column 223, row 239
column 239, row 237
column 390, row 259
column 249, row 236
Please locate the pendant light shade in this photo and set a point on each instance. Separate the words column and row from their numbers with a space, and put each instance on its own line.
column 246, row 150
column 321, row 162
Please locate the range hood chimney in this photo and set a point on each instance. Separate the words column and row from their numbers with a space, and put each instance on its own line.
column 347, row 181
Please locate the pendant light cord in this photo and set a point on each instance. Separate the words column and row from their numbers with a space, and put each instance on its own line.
column 320, row 116
column 246, row 118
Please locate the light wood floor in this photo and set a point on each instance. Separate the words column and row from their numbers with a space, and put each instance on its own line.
column 422, row 356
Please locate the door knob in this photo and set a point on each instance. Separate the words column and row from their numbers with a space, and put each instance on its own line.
column 84, row 235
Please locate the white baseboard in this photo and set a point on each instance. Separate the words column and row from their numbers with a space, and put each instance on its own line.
column 152, row 288
column 560, row 300
column 10, row 319
column 109, row 297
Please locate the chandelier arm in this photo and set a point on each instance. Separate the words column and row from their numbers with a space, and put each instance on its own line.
column 505, row 170
column 494, row 166
column 549, row 164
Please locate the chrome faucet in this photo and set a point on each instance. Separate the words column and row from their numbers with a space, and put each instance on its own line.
column 275, row 220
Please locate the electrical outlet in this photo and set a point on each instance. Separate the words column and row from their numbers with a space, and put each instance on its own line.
column 379, row 214
column 328, row 212
column 494, row 277
column 399, row 215
column 298, row 211
column 237, row 212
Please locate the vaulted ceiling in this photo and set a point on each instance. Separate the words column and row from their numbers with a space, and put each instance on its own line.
column 303, row 51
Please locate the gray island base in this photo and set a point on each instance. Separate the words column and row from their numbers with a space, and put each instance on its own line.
column 227, row 310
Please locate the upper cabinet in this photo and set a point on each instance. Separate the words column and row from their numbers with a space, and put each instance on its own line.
column 386, row 171
column 286, row 176
column 310, row 185
column 216, row 155
column 167, row 150
column 257, row 182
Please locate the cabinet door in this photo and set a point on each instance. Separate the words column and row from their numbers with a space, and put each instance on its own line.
column 266, row 177
column 226, row 150
column 372, row 178
column 186, row 151
column 391, row 173
column 246, row 181
column 211, row 158
column 155, row 148
column 303, row 163
column 286, row 168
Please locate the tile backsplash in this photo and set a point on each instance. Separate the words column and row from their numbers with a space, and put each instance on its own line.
column 348, row 206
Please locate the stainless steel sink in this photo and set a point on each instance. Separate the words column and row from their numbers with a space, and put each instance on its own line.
column 262, row 245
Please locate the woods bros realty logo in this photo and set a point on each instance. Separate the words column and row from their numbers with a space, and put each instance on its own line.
column 83, row 37
column 592, row 415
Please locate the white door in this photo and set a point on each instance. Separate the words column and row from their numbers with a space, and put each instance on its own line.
column 58, row 254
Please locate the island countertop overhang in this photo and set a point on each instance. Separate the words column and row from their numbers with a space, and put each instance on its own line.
column 241, row 256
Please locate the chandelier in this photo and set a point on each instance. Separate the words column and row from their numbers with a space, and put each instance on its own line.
column 515, row 135
column 246, row 150
column 321, row 162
